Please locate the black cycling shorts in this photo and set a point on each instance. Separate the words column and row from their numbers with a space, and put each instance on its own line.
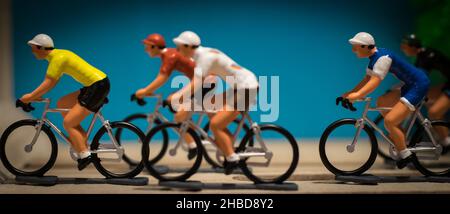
column 93, row 97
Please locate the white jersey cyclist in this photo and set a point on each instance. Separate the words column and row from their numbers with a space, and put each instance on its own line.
column 211, row 61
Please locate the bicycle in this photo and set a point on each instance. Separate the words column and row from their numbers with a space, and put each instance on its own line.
column 383, row 150
column 424, row 143
column 146, row 121
column 40, row 138
column 252, row 146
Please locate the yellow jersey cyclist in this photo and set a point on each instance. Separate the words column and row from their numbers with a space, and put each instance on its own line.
column 80, row 103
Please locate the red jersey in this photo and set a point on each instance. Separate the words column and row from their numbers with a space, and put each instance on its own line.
column 173, row 60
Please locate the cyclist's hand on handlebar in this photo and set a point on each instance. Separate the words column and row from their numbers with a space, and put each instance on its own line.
column 350, row 105
column 345, row 103
column 27, row 107
column 140, row 102
column 338, row 100
column 166, row 103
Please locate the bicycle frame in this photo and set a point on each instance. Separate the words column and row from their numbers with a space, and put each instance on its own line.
column 250, row 152
column 417, row 115
column 156, row 114
column 44, row 120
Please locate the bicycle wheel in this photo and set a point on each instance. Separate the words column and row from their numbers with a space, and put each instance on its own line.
column 282, row 151
column 430, row 163
column 157, row 151
column 180, row 167
column 333, row 148
column 20, row 158
column 210, row 151
column 105, row 157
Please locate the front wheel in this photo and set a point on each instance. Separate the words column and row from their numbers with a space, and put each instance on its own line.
column 20, row 157
column 181, row 165
column 108, row 159
column 279, row 160
column 431, row 163
column 338, row 156
column 141, row 121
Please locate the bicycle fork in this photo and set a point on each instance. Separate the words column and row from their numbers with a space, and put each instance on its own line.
column 29, row 147
column 359, row 126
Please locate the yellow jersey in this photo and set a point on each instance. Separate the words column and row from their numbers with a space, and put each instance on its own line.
column 66, row 62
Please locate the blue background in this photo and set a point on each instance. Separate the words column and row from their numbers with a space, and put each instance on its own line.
column 303, row 42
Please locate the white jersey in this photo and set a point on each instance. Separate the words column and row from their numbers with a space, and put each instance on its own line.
column 211, row 61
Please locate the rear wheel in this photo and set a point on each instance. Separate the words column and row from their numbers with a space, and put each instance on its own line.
column 211, row 154
column 180, row 166
column 106, row 158
column 430, row 163
column 281, row 157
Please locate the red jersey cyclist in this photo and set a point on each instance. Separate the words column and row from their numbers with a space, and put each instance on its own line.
column 171, row 59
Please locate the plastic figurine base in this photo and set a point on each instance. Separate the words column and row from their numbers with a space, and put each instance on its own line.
column 53, row 180
column 3, row 177
column 197, row 186
column 374, row 180
column 166, row 169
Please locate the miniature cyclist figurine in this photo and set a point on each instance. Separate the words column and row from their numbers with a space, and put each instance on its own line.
column 430, row 59
column 416, row 84
column 243, row 89
column 81, row 103
column 155, row 46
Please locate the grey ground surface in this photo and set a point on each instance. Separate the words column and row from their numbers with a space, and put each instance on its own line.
column 311, row 177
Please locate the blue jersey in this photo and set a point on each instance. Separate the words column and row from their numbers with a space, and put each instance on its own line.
column 401, row 68
column 416, row 81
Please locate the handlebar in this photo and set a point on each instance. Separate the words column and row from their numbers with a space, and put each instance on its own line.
column 139, row 101
column 27, row 107
column 345, row 103
column 142, row 102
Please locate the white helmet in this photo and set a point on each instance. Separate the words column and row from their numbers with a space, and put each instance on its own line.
column 362, row 38
column 187, row 38
column 42, row 40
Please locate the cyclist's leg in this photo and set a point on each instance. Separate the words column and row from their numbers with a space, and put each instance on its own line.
column 67, row 102
column 72, row 120
column 179, row 117
column 433, row 94
column 392, row 122
column 218, row 125
column 437, row 112
column 388, row 100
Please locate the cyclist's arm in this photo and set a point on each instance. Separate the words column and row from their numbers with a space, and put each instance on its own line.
column 154, row 85
column 359, row 86
column 45, row 86
column 374, row 78
column 189, row 89
column 369, row 87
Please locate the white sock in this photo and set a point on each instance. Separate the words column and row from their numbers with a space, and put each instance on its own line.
column 405, row 153
column 192, row 145
column 233, row 158
column 446, row 142
column 84, row 154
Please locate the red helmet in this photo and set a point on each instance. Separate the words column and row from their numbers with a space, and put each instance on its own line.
column 155, row 39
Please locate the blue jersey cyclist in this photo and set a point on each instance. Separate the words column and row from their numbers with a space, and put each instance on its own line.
column 414, row 90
